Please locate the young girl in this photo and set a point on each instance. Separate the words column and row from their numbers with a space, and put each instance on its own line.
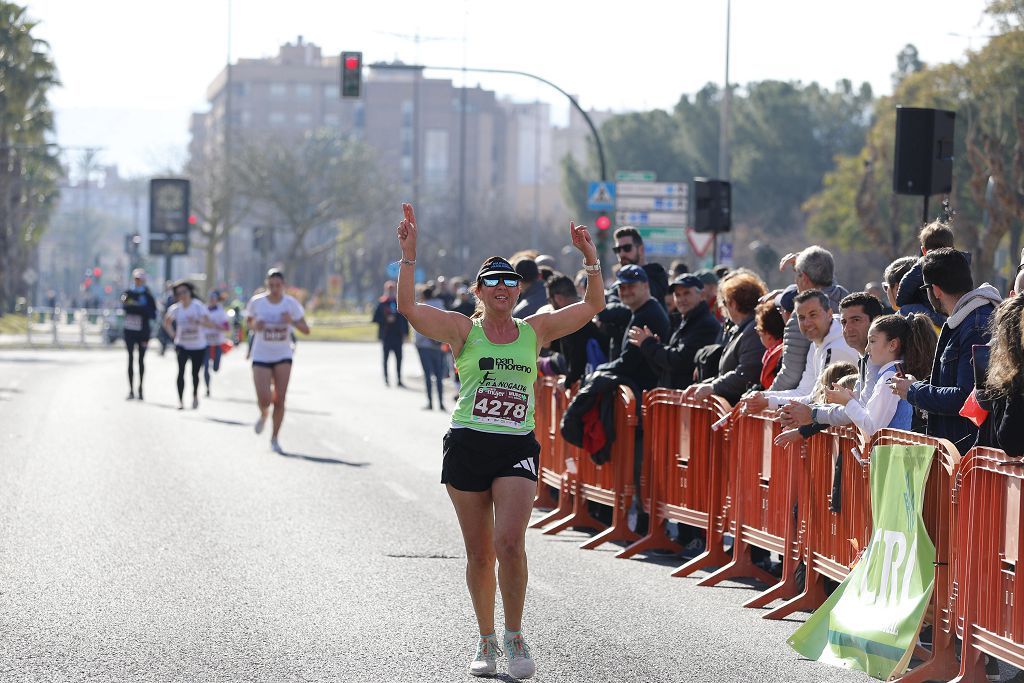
column 896, row 345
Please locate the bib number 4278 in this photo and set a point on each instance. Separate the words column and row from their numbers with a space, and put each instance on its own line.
column 495, row 405
column 496, row 408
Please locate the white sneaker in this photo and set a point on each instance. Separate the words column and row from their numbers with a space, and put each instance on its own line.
column 258, row 428
column 276, row 447
column 520, row 663
column 486, row 661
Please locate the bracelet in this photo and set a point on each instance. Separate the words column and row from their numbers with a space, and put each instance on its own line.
column 407, row 261
column 593, row 268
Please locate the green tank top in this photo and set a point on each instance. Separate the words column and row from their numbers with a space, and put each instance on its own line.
column 497, row 382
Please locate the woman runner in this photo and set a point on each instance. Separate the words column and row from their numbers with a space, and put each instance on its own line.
column 189, row 317
column 490, row 453
column 214, row 336
column 271, row 317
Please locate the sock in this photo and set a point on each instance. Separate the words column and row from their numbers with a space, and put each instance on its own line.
column 489, row 635
column 509, row 635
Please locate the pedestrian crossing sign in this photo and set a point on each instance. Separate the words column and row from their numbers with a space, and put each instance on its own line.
column 601, row 196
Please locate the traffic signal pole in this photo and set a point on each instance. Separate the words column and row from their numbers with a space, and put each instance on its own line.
column 511, row 72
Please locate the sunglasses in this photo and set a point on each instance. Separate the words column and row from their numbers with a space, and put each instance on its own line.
column 623, row 248
column 509, row 282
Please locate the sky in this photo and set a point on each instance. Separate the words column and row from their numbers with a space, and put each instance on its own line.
column 134, row 70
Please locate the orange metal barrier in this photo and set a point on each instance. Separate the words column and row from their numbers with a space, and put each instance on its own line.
column 989, row 599
column 558, row 458
column 684, row 476
column 763, row 496
column 941, row 662
column 829, row 542
column 546, row 421
column 610, row 484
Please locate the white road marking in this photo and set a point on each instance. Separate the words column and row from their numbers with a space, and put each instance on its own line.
column 401, row 491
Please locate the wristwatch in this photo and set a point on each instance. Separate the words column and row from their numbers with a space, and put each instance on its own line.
column 594, row 268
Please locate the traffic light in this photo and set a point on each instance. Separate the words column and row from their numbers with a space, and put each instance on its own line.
column 351, row 74
column 603, row 223
column 97, row 272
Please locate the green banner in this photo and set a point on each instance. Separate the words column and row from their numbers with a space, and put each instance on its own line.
column 870, row 622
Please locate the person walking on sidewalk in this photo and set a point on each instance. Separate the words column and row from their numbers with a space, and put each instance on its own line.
column 271, row 316
column 490, row 452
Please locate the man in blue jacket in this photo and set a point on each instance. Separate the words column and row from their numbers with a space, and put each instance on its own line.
column 951, row 291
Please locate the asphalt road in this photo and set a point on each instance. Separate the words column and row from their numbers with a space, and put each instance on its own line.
column 140, row 543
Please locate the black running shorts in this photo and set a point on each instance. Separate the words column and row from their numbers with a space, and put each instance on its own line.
column 473, row 460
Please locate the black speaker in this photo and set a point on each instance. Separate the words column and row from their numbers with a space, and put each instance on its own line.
column 713, row 205
column 923, row 163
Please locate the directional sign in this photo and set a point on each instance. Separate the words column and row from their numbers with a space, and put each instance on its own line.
column 652, row 204
column 636, row 176
column 700, row 241
column 667, row 242
column 653, row 218
column 653, row 189
column 601, row 196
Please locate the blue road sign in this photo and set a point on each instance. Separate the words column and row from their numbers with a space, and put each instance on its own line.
column 601, row 196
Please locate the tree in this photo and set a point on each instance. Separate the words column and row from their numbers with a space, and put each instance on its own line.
column 28, row 167
column 300, row 188
column 213, row 204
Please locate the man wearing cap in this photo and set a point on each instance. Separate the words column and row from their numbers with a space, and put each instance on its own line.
column 139, row 313
column 710, row 291
column 674, row 362
column 533, row 295
column 635, row 293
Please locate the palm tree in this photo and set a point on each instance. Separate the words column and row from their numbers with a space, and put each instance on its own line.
column 28, row 169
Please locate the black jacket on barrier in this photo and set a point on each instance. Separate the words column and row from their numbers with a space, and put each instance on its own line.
column 598, row 393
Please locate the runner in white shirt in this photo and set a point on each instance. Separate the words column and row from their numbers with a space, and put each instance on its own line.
column 215, row 336
column 189, row 331
column 272, row 315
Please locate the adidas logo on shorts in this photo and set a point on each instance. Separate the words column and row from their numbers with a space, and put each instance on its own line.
column 526, row 465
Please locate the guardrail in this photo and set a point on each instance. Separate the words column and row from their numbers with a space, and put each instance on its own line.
column 74, row 326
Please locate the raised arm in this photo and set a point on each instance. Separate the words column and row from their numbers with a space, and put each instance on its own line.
column 553, row 325
column 444, row 326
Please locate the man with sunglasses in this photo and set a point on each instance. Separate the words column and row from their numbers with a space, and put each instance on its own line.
column 629, row 249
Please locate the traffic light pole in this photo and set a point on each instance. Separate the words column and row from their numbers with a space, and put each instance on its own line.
column 512, row 72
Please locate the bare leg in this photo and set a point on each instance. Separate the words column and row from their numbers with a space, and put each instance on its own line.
column 476, row 519
column 282, row 373
column 513, row 503
column 261, row 377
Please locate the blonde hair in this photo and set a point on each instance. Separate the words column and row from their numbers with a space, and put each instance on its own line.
column 831, row 375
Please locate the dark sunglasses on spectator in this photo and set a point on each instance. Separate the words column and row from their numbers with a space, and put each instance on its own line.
column 509, row 282
column 625, row 247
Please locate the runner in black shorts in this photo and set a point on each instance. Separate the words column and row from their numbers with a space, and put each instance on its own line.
column 490, row 453
column 139, row 314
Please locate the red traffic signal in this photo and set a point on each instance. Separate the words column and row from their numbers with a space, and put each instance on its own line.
column 351, row 74
column 192, row 219
column 603, row 222
column 97, row 272
column 88, row 283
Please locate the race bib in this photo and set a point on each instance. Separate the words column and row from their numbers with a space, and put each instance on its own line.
column 500, row 406
column 133, row 322
column 189, row 333
column 275, row 334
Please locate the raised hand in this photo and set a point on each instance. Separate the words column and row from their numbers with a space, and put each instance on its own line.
column 581, row 240
column 407, row 232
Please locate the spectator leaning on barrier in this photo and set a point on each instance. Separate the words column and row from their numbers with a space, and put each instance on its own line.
column 856, row 313
column 814, row 268
column 826, row 334
column 740, row 365
column 769, row 325
column 947, row 276
column 1004, row 383
column 533, row 295
column 674, row 361
column 578, row 353
column 635, row 292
